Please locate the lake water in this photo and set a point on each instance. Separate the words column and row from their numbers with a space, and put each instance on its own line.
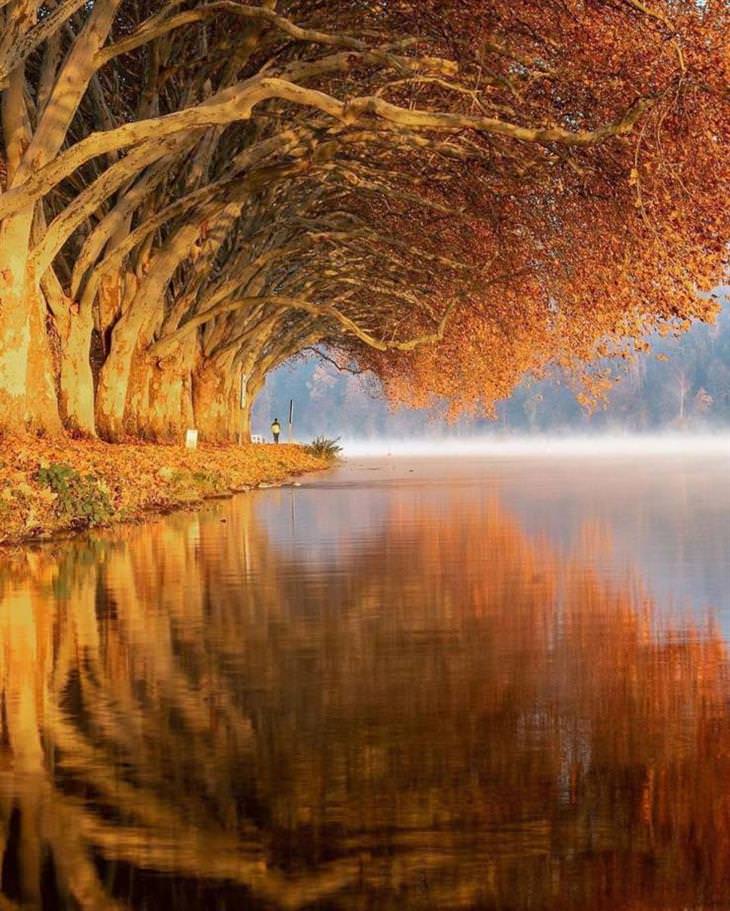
column 464, row 684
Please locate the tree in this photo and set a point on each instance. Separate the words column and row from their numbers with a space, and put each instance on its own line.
column 451, row 194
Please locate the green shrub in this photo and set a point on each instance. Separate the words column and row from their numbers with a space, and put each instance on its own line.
column 191, row 485
column 210, row 480
column 81, row 499
column 324, row 448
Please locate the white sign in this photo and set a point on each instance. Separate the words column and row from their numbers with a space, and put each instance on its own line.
column 191, row 439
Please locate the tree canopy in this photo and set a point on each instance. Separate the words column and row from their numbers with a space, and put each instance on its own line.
column 450, row 193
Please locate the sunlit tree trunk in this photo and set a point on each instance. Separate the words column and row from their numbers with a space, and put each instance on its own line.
column 28, row 393
column 111, row 392
column 76, row 381
column 216, row 404
column 254, row 385
column 160, row 405
column 133, row 331
column 27, row 387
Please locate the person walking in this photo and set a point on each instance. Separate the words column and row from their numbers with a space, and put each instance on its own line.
column 276, row 429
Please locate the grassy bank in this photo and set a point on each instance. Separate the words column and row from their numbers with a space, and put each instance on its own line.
column 48, row 487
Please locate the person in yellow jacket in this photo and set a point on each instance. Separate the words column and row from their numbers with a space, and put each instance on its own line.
column 276, row 429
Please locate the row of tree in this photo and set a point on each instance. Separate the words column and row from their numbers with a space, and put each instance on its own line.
column 452, row 194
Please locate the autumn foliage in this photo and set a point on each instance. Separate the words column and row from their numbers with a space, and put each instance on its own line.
column 453, row 194
column 54, row 486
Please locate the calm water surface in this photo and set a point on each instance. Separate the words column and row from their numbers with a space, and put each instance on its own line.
column 472, row 684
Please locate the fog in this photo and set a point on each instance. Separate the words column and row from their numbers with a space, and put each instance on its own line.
column 533, row 445
column 681, row 388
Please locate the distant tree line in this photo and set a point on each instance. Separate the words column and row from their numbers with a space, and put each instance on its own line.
column 681, row 384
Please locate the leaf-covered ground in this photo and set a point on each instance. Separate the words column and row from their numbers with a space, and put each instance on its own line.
column 49, row 486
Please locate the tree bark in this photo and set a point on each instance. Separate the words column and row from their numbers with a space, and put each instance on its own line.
column 27, row 387
column 212, row 401
column 160, row 405
column 114, row 377
column 76, row 385
column 129, row 333
column 217, row 407
column 253, row 387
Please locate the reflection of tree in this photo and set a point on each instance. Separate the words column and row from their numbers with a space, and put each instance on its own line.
column 452, row 718
column 124, row 742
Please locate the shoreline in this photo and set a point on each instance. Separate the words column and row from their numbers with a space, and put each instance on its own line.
column 53, row 488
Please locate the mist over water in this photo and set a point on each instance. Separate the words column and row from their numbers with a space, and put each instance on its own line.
column 681, row 388
column 541, row 445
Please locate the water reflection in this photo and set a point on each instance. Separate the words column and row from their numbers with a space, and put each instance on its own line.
column 442, row 711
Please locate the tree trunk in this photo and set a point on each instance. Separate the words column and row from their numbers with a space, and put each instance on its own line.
column 216, row 405
column 27, row 389
column 245, row 422
column 170, row 401
column 129, row 334
column 111, row 392
column 253, row 387
column 76, row 394
column 159, row 404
